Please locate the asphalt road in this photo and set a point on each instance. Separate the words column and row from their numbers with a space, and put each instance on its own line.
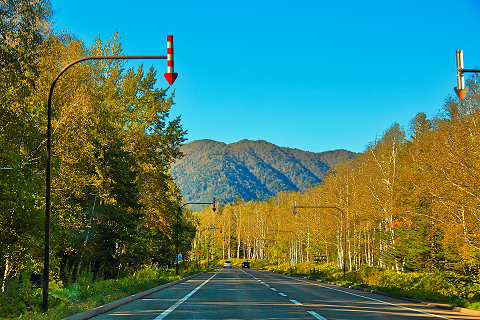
column 257, row 294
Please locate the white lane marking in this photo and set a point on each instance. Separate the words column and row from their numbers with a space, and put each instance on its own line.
column 266, row 285
column 316, row 315
column 179, row 302
column 273, row 289
column 282, row 294
column 357, row 295
column 296, row 302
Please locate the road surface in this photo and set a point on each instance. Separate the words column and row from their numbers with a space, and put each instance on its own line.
column 257, row 294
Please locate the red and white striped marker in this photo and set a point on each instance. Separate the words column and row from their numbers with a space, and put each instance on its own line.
column 170, row 75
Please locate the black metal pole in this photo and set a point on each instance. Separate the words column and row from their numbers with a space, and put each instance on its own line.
column 178, row 213
column 470, row 70
column 178, row 228
column 46, row 263
column 201, row 240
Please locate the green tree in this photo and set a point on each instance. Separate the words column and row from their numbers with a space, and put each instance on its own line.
column 23, row 27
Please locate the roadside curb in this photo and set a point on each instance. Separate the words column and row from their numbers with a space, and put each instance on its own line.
column 437, row 305
column 115, row 304
column 466, row 311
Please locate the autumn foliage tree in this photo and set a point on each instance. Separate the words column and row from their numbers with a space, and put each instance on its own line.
column 410, row 202
column 113, row 198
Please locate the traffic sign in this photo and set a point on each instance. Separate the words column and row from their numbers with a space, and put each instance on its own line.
column 179, row 257
column 199, row 252
column 170, row 75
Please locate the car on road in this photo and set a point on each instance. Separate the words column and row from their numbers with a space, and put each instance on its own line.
column 245, row 264
column 227, row 264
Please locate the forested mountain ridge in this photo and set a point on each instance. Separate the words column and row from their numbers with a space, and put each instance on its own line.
column 248, row 169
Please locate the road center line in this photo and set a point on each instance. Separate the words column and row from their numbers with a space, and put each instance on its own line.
column 179, row 302
column 357, row 295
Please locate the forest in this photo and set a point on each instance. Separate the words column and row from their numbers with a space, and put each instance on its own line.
column 250, row 170
column 409, row 202
column 114, row 201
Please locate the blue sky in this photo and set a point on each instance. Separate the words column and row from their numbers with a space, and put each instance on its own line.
column 312, row 75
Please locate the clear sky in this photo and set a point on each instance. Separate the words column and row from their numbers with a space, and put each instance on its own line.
column 313, row 75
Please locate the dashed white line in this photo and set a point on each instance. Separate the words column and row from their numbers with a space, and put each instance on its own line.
column 316, row 315
column 313, row 313
column 372, row 299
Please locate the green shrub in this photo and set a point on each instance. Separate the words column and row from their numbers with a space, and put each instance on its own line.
column 21, row 300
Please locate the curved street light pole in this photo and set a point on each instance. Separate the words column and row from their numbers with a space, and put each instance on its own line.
column 170, row 76
column 178, row 230
column 344, row 228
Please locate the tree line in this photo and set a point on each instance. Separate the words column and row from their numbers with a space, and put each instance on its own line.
column 113, row 198
column 409, row 202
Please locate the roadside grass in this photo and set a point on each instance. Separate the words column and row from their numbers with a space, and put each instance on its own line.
column 23, row 301
column 449, row 287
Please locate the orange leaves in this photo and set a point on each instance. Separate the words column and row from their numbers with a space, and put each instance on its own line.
column 397, row 223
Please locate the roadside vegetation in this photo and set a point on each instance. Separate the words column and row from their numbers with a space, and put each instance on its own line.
column 447, row 287
column 113, row 200
column 402, row 217
column 406, row 210
column 23, row 301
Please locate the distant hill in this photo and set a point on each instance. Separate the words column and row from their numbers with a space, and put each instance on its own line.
column 248, row 169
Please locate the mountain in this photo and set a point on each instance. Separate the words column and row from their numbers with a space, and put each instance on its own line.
column 249, row 170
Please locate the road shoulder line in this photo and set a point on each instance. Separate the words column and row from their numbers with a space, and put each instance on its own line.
column 429, row 303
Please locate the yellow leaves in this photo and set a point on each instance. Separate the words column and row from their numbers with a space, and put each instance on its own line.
column 397, row 190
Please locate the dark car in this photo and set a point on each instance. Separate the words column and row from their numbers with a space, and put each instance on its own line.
column 245, row 264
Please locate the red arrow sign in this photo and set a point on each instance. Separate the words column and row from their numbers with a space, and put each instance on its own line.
column 170, row 75
column 461, row 92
